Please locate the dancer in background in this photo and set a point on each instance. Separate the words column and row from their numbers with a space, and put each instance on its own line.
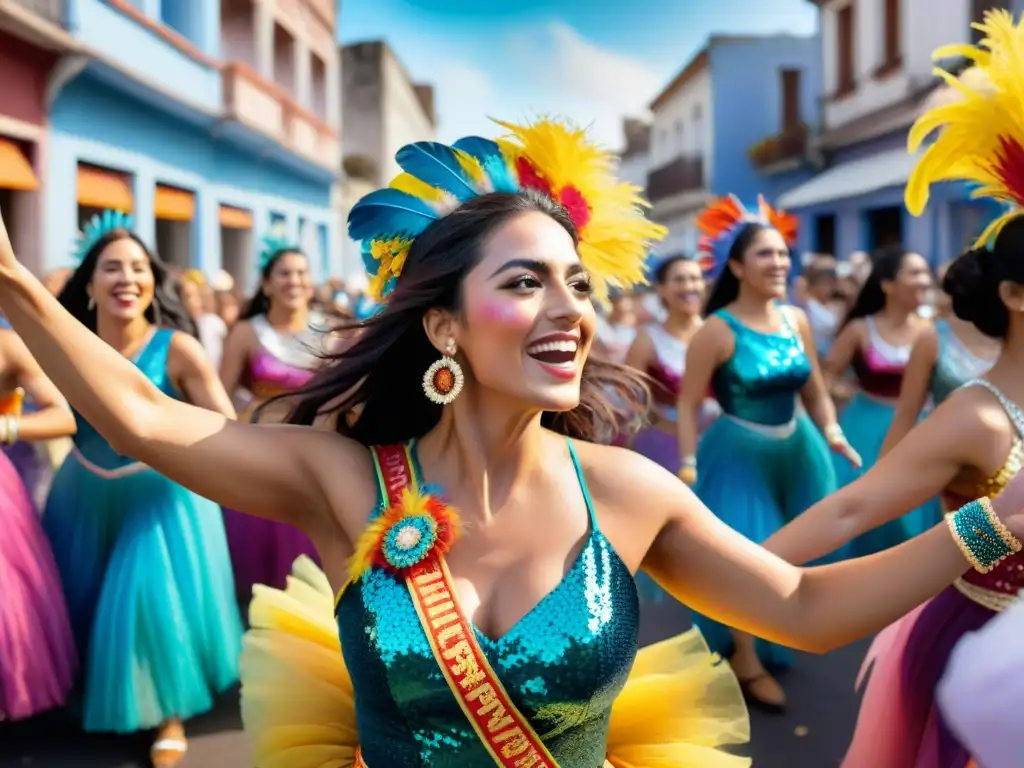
column 273, row 349
column 659, row 351
column 762, row 462
column 144, row 562
column 971, row 443
column 875, row 340
column 37, row 649
column 617, row 329
column 200, row 301
column 821, row 282
column 944, row 358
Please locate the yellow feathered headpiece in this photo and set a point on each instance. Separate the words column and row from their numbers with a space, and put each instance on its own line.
column 983, row 129
column 548, row 156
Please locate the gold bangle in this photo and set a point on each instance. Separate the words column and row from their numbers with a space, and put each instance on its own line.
column 964, row 549
column 833, row 433
column 15, row 428
column 1011, row 541
column 5, row 429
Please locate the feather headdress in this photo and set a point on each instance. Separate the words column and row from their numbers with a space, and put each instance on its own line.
column 273, row 243
column 98, row 226
column 982, row 130
column 548, row 156
column 722, row 221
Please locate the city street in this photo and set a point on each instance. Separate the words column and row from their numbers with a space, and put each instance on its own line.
column 812, row 735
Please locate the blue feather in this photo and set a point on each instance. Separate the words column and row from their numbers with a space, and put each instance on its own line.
column 388, row 212
column 488, row 154
column 437, row 165
column 371, row 264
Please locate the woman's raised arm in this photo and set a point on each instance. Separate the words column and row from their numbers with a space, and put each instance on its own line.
column 279, row 472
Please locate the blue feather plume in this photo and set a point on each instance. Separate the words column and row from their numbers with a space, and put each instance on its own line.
column 371, row 264
column 98, row 226
column 439, row 166
column 489, row 155
column 389, row 212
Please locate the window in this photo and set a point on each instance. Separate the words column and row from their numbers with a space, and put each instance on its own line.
column 892, row 36
column 844, row 51
column 978, row 8
column 698, row 129
column 678, row 127
column 790, row 100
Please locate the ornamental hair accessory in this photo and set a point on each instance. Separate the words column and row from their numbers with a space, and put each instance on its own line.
column 981, row 131
column 274, row 243
column 723, row 220
column 98, row 226
column 549, row 157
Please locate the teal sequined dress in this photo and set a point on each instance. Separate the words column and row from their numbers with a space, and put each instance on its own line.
column 955, row 364
column 762, row 462
column 145, row 568
column 563, row 664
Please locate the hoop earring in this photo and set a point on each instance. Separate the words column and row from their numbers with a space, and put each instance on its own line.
column 443, row 380
column 91, row 305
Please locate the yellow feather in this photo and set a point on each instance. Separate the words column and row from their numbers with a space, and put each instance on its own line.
column 473, row 168
column 406, row 182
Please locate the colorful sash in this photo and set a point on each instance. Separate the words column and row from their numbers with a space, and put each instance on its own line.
column 502, row 729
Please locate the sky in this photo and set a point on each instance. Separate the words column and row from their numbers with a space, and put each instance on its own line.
column 592, row 61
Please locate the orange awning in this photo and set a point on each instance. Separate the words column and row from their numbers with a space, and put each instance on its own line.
column 235, row 218
column 15, row 170
column 100, row 188
column 173, row 204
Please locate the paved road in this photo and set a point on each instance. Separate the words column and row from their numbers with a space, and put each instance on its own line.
column 812, row 735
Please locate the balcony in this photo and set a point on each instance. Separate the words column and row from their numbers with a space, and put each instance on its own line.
column 325, row 9
column 265, row 108
column 781, row 151
column 53, row 11
column 680, row 176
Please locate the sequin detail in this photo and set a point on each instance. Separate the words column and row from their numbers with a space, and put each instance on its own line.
column 563, row 664
column 955, row 364
column 759, row 383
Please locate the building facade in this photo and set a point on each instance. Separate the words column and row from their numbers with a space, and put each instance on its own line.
column 383, row 109
column 32, row 40
column 736, row 93
column 213, row 123
column 877, row 78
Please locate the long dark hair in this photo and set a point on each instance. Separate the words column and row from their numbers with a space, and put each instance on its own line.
column 885, row 265
column 259, row 303
column 727, row 286
column 972, row 281
column 381, row 373
column 165, row 311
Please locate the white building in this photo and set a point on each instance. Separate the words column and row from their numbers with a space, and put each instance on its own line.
column 383, row 109
column 634, row 159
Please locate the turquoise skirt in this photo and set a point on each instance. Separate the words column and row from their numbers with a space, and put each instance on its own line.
column 756, row 483
column 866, row 421
column 145, row 569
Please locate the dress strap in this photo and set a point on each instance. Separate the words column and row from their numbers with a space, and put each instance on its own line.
column 583, row 485
column 1011, row 408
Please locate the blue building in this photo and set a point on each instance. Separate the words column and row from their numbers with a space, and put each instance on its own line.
column 876, row 60
column 211, row 121
column 739, row 106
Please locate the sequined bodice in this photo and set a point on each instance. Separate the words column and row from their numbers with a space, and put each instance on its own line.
column 760, row 382
column 1007, row 578
column 152, row 361
column 563, row 664
column 880, row 365
column 955, row 364
column 281, row 363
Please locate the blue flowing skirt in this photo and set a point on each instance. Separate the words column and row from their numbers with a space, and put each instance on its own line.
column 866, row 421
column 756, row 483
column 145, row 568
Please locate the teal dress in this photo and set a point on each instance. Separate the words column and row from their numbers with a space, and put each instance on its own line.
column 762, row 462
column 955, row 364
column 145, row 568
column 563, row 664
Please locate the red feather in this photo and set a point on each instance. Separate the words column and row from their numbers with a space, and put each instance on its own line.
column 531, row 178
column 1009, row 167
column 574, row 202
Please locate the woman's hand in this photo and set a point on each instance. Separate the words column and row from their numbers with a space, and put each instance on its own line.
column 838, row 444
column 8, row 261
column 1009, row 505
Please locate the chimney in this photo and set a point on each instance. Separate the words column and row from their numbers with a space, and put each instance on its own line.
column 425, row 94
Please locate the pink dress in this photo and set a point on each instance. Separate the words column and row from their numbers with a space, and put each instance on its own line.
column 262, row 551
column 37, row 649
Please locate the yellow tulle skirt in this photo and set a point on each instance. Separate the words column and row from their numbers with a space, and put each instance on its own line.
column 679, row 706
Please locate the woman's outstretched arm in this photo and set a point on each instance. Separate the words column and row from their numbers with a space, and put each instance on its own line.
column 52, row 417
column 279, row 472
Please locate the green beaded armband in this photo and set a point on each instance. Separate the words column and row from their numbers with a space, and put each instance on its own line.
column 979, row 540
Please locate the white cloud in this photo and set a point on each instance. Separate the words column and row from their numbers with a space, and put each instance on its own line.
column 554, row 72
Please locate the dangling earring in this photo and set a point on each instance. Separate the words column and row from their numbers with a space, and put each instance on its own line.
column 91, row 305
column 443, row 380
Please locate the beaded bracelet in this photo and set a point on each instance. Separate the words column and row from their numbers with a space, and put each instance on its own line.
column 983, row 539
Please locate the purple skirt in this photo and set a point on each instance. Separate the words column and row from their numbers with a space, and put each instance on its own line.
column 262, row 551
column 899, row 723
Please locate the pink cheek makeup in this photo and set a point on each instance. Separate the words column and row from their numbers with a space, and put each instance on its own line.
column 506, row 313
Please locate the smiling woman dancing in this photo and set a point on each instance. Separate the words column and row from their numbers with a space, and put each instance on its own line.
column 509, row 638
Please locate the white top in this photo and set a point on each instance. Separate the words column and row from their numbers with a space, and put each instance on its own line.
column 212, row 331
column 615, row 338
column 823, row 321
column 982, row 693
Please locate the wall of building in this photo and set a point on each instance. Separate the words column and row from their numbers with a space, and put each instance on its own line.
column 362, row 97
column 404, row 118
column 683, row 125
column 95, row 124
column 747, row 82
